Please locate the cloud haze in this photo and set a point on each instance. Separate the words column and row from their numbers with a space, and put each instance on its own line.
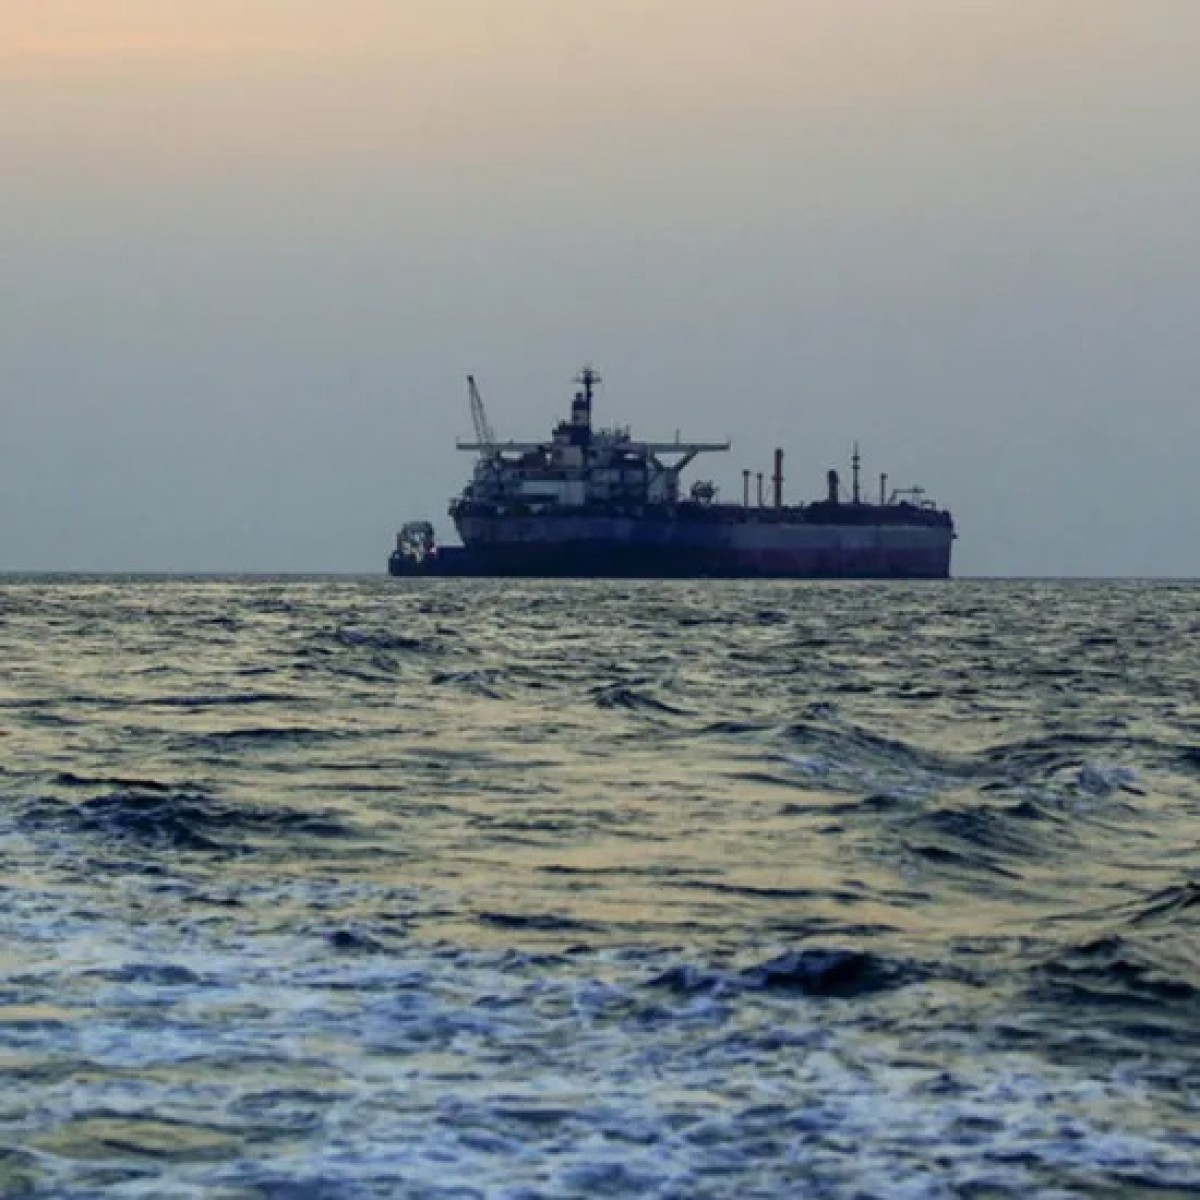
column 252, row 250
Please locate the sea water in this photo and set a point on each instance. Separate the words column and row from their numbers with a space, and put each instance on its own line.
column 465, row 888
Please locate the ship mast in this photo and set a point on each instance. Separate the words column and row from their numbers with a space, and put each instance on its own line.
column 581, row 407
column 587, row 379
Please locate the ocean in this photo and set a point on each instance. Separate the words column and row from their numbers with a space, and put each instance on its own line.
column 320, row 888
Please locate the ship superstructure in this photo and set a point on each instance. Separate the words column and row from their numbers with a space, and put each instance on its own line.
column 598, row 502
column 578, row 468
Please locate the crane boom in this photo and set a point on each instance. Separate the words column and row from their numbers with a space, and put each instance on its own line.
column 483, row 428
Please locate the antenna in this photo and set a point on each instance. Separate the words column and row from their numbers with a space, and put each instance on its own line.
column 857, row 464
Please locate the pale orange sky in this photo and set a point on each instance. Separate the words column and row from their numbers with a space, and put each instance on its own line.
column 139, row 31
column 214, row 90
column 321, row 76
column 824, row 42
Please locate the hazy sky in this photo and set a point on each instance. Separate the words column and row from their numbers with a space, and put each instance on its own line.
column 251, row 249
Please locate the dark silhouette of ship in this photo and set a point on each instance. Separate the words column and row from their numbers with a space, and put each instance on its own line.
column 599, row 503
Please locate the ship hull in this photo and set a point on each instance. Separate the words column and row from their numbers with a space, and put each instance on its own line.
column 635, row 547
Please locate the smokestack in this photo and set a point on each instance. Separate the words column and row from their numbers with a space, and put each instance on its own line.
column 760, row 491
column 882, row 490
column 777, row 478
column 835, row 485
column 745, row 489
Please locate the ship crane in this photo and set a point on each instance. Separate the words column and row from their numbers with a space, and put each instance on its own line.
column 484, row 435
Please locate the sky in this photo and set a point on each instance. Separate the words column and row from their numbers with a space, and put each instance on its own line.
column 252, row 249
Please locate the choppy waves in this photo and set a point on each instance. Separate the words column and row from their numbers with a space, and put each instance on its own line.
column 327, row 888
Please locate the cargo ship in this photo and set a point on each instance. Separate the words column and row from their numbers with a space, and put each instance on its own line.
column 590, row 502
